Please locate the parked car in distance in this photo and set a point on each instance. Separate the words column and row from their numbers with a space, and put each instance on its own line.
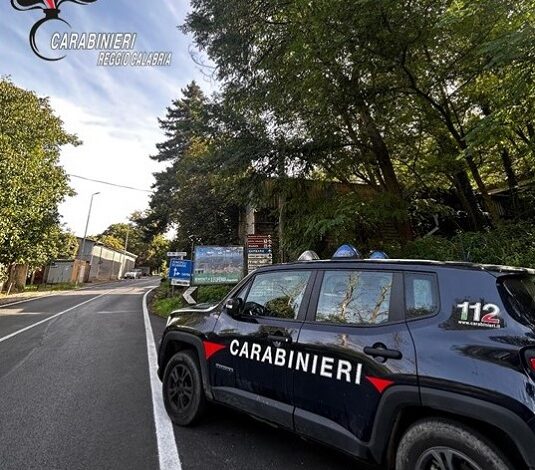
column 132, row 275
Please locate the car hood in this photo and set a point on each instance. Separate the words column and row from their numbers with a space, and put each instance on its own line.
column 200, row 308
column 197, row 318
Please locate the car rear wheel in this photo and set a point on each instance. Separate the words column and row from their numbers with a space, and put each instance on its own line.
column 183, row 392
column 436, row 444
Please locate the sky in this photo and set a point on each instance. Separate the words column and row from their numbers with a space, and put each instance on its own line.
column 113, row 110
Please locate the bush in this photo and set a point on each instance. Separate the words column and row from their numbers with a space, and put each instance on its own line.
column 433, row 248
column 509, row 244
column 164, row 302
column 212, row 293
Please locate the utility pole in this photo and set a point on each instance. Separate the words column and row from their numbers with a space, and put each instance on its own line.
column 82, row 248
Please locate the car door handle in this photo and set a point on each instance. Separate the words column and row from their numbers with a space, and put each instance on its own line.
column 279, row 339
column 382, row 351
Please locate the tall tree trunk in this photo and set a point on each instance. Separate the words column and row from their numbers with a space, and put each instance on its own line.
column 494, row 216
column 17, row 277
column 468, row 199
column 384, row 162
column 512, row 182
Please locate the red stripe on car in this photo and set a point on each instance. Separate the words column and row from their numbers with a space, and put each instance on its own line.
column 211, row 348
column 380, row 384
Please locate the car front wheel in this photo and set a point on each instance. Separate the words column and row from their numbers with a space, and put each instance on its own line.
column 183, row 392
column 435, row 444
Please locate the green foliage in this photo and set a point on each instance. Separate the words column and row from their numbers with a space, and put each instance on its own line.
column 151, row 250
column 188, row 196
column 212, row 293
column 163, row 302
column 111, row 241
column 408, row 97
column 51, row 287
column 427, row 103
column 431, row 248
column 164, row 306
column 510, row 244
column 32, row 183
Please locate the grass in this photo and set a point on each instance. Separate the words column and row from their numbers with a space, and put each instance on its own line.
column 163, row 307
column 39, row 289
column 51, row 287
column 163, row 302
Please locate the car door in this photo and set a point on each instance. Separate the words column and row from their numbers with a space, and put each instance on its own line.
column 252, row 373
column 353, row 346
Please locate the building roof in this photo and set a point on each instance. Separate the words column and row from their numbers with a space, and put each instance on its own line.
column 97, row 243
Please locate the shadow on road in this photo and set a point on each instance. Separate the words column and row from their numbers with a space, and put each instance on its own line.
column 229, row 440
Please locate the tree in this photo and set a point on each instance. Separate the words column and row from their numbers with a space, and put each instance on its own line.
column 392, row 93
column 111, row 242
column 291, row 66
column 32, row 183
column 188, row 197
column 151, row 251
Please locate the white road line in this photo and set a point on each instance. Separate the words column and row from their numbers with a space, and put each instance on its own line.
column 67, row 292
column 5, row 338
column 165, row 436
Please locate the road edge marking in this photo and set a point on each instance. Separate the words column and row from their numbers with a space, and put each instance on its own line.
column 165, row 436
column 56, row 315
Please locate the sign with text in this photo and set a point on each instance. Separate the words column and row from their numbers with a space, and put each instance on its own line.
column 180, row 272
column 259, row 251
column 218, row 265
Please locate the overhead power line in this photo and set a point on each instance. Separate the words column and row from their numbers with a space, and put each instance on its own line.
column 111, row 184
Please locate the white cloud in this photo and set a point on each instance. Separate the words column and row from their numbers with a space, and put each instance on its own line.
column 109, row 153
column 113, row 110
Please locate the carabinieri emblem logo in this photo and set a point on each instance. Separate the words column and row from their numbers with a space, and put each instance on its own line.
column 51, row 11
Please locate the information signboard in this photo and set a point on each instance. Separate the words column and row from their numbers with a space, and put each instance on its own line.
column 218, row 265
column 259, row 251
column 180, row 272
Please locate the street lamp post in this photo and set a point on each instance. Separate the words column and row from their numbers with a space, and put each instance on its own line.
column 82, row 248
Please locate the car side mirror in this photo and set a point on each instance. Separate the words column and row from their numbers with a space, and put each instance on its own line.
column 234, row 306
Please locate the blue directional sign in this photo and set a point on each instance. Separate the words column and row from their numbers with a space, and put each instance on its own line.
column 180, row 271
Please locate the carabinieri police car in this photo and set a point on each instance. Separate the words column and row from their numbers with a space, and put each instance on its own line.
column 414, row 365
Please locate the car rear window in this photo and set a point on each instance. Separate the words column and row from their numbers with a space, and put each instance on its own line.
column 519, row 293
column 421, row 294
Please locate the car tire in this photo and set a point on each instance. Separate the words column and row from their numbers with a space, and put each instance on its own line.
column 431, row 441
column 183, row 393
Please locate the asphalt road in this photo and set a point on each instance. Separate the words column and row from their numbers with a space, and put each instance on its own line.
column 75, row 393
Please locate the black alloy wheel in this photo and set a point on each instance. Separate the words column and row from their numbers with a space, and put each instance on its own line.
column 183, row 392
column 180, row 387
column 444, row 458
column 445, row 444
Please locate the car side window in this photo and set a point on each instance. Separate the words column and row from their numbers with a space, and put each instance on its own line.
column 355, row 297
column 277, row 294
column 421, row 294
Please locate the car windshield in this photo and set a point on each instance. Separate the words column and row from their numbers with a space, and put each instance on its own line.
column 520, row 296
